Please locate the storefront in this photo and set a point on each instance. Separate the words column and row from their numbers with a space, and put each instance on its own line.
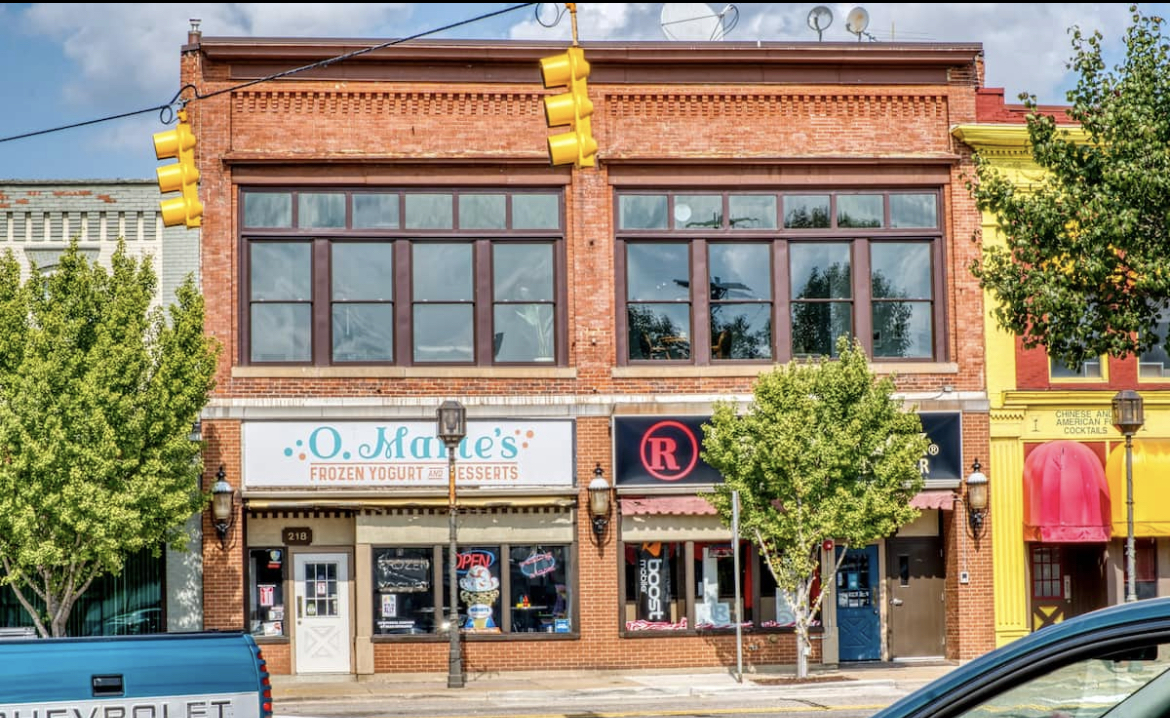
column 679, row 576
column 347, row 535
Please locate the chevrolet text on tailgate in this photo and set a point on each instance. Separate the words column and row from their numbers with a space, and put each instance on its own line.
column 167, row 675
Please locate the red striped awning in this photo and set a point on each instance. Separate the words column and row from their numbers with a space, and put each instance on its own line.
column 671, row 505
column 939, row 499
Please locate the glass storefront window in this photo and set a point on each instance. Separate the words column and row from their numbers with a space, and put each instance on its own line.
column 266, row 591
column 655, row 595
column 716, row 579
column 539, row 592
column 477, row 571
column 404, row 599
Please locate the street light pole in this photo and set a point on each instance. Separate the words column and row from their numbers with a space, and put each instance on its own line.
column 1130, row 548
column 452, row 419
column 1128, row 418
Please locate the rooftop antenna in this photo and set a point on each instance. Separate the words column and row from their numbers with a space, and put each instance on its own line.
column 819, row 19
column 696, row 21
column 856, row 22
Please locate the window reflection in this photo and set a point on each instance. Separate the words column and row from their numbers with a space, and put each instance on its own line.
column 820, row 273
column 658, row 312
column 536, row 211
column 640, row 211
column 698, row 211
column 429, row 211
column 859, row 210
column 375, row 211
column 1154, row 363
column 281, row 332
column 806, row 211
column 913, row 210
column 751, row 211
column 281, row 271
column 901, row 288
column 443, row 333
column 482, row 211
column 281, row 308
column 267, row 209
column 741, row 310
column 321, row 209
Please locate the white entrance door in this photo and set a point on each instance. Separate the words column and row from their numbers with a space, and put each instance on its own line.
column 322, row 619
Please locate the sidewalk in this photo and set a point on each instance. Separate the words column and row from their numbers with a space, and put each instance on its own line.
column 893, row 679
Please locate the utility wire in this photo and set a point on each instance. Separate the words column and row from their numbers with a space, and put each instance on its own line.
column 286, row 73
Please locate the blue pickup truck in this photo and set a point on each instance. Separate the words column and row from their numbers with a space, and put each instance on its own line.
column 171, row 675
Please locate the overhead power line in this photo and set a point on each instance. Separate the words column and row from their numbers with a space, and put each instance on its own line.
column 286, row 73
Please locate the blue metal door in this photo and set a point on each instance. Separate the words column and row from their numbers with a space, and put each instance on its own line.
column 858, row 620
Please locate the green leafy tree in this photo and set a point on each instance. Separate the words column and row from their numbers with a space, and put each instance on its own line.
column 823, row 452
column 98, row 394
column 1085, row 270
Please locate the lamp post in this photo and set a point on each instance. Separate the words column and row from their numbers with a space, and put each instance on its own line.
column 452, row 420
column 1128, row 418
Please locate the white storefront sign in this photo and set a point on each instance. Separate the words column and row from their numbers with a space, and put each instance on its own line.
column 350, row 454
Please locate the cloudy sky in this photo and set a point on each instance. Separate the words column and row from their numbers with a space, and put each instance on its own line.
column 66, row 63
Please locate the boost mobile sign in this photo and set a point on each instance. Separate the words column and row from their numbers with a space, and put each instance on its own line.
column 345, row 455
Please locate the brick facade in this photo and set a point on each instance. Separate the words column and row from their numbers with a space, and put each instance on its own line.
column 456, row 115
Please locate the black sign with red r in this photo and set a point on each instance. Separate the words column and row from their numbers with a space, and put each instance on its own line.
column 661, row 451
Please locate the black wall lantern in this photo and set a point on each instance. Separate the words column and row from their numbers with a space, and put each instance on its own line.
column 599, row 502
column 977, row 500
column 222, row 500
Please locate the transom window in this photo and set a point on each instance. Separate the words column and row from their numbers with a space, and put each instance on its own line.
column 783, row 275
column 337, row 277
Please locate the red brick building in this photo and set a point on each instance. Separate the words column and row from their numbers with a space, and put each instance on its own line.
column 386, row 233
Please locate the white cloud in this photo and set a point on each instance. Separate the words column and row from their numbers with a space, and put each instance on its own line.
column 126, row 56
column 1027, row 47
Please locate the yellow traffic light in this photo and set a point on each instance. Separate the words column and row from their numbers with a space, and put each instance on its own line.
column 572, row 108
column 182, row 176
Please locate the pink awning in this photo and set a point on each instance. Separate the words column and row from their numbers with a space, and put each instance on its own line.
column 944, row 499
column 1066, row 497
column 675, row 505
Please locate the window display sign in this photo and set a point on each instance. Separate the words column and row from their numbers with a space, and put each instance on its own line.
column 349, row 454
column 653, row 577
column 403, row 574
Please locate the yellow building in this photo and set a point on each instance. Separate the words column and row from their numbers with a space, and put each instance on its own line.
column 1058, row 511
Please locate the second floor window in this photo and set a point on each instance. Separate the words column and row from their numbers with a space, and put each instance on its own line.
column 769, row 277
column 429, row 278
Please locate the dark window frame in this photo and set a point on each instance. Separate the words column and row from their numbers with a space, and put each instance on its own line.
column 440, row 593
column 859, row 239
column 321, row 240
column 752, row 558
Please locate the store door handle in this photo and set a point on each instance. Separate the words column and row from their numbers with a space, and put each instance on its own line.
column 299, row 601
column 895, row 602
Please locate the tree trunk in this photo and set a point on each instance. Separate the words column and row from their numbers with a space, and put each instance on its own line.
column 802, row 647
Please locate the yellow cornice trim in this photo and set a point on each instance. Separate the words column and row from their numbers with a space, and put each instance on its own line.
column 1007, row 137
column 1051, row 397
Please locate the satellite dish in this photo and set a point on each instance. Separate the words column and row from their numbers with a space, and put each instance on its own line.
column 819, row 19
column 696, row 21
column 856, row 21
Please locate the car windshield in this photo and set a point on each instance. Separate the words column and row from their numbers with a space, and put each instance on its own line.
column 1134, row 680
